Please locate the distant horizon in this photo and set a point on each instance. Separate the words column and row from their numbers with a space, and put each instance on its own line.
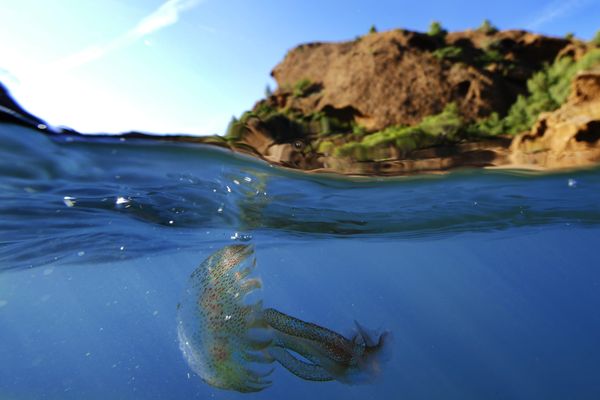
column 188, row 66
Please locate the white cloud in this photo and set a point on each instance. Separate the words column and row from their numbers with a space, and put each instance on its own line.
column 165, row 15
column 555, row 9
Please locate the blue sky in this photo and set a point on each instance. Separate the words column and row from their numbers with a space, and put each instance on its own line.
column 187, row 66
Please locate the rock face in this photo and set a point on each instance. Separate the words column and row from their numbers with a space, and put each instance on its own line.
column 399, row 77
column 567, row 137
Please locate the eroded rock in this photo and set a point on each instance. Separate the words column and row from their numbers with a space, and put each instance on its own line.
column 568, row 137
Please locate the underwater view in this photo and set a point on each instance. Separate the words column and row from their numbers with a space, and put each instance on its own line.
column 353, row 200
column 122, row 281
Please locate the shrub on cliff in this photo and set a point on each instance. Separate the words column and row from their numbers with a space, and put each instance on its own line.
column 436, row 30
column 491, row 53
column 446, row 127
column 234, row 130
column 489, row 57
column 547, row 90
column 487, row 27
column 237, row 127
column 301, row 87
column 596, row 39
column 452, row 53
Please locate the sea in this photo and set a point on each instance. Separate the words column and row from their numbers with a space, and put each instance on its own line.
column 488, row 281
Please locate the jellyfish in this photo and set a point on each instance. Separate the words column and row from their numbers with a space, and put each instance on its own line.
column 231, row 342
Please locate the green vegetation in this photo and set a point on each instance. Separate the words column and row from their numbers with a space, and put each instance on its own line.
column 491, row 53
column 446, row 127
column 358, row 130
column 490, row 56
column 326, row 147
column 284, row 120
column 448, row 53
column 596, row 39
column 487, row 27
column 547, row 90
column 268, row 91
column 235, row 129
column 372, row 29
column 569, row 36
column 436, row 30
column 301, row 87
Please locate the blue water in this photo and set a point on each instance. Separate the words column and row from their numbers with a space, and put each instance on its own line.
column 488, row 280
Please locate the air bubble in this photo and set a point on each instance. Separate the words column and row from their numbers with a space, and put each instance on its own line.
column 241, row 237
column 122, row 201
column 69, row 201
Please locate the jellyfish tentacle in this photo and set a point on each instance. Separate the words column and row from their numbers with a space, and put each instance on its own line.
column 246, row 271
column 257, row 344
column 263, row 357
column 337, row 346
column 317, row 353
column 296, row 327
column 249, row 285
column 301, row 369
column 356, row 360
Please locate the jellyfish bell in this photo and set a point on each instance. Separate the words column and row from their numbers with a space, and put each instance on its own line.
column 222, row 338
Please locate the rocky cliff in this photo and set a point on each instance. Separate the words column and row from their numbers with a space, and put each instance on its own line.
column 400, row 77
column 400, row 101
